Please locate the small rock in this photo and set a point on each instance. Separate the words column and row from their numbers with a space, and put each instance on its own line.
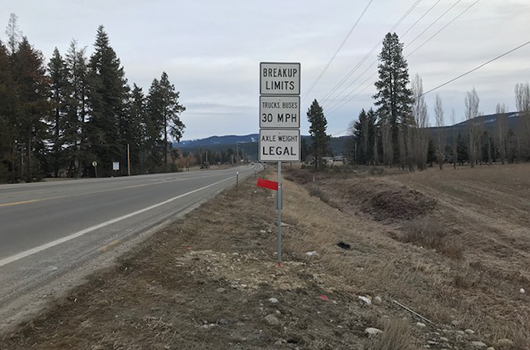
column 503, row 342
column 455, row 323
column 432, row 342
column 312, row 253
column 372, row 331
column 377, row 300
column 273, row 300
column 262, row 231
column 490, row 348
column 344, row 246
column 366, row 301
column 444, row 339
column 522, row 291
column 272, row 320
column 223, row 322
column 220, row 290
column 460, row 332
column 478, row 344
column 469, row 331
column 421, row 325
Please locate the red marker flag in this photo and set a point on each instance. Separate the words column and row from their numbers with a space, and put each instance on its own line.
column 271, row 185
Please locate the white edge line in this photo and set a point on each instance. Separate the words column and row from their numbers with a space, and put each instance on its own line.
column 40, row 248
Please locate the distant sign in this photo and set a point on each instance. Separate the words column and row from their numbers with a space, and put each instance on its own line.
column 279, row 111
column 279, row 78
column 115, row 165
column 94, row 163
column 279, row 145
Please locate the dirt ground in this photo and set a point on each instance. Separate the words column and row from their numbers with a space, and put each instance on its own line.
column 453, row 246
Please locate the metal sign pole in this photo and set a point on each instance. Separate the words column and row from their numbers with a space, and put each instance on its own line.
column 280, row 194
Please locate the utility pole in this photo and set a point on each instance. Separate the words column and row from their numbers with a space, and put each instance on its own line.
column 128, row 161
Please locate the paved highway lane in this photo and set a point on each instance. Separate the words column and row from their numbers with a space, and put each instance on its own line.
column 52, row 233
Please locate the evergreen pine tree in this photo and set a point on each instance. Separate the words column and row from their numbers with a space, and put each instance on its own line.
column 317, row 131
column 108, row 94
column 33, row 108
column 393, row 98
column 136, row 133
column 171, row 110
column 78, row 155
column 59, row 95
column 7, row 118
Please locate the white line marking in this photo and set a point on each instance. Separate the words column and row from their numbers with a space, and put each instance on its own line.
column 40, row 248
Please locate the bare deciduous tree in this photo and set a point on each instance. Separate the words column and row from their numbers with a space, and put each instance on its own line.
column 522, row 102
column 440, row 132
column 455, row 140
column 475, row 127
column 419, row 134
column 502, row 129
column 386, row 138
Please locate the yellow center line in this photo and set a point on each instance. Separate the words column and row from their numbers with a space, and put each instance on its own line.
column 17, row 203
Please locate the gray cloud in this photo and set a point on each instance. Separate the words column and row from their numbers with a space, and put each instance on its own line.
column 211, row 49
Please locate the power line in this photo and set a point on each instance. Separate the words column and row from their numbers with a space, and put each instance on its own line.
column 369, row 53
column 336, row 52
column 339, row 105
column 333, row 105
column 433, row 23
column 476, row 68
column 419, row 19
column 438, row 32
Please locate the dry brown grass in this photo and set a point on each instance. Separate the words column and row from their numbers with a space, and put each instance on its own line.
column 160, row 294
column 470, row 254
column 397, row 336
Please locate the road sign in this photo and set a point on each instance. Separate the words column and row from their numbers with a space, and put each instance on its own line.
column 279, row 112
column 279, row 78
column 279, row 145
column 115, row 165
column 94, row 163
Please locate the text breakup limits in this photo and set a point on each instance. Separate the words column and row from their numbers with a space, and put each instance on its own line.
column 280, row 78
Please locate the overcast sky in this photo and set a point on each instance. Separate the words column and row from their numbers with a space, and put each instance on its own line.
column 211, row 50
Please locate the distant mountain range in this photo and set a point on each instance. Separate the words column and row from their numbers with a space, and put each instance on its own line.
column 215, row 141
column 249, row 143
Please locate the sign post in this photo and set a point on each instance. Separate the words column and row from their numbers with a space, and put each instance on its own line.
column 279, row 121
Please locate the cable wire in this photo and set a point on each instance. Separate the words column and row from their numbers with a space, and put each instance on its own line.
column 337, row 51
column 339, row 105
column 433, row 23
column 369, row 53
column 438, row 32
column 476, row 68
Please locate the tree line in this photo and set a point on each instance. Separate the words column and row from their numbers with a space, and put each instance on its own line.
column 63, row 117
column 395, row 132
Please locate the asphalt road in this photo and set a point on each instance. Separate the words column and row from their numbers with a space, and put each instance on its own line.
column 52, row 234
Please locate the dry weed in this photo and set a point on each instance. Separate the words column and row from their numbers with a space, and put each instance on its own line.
column 396, row 336
column 430, row 234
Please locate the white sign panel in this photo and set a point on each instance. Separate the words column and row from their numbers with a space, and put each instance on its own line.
column 279, row 145
column 115, row 165
column 279, row 78
column 279, row 112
